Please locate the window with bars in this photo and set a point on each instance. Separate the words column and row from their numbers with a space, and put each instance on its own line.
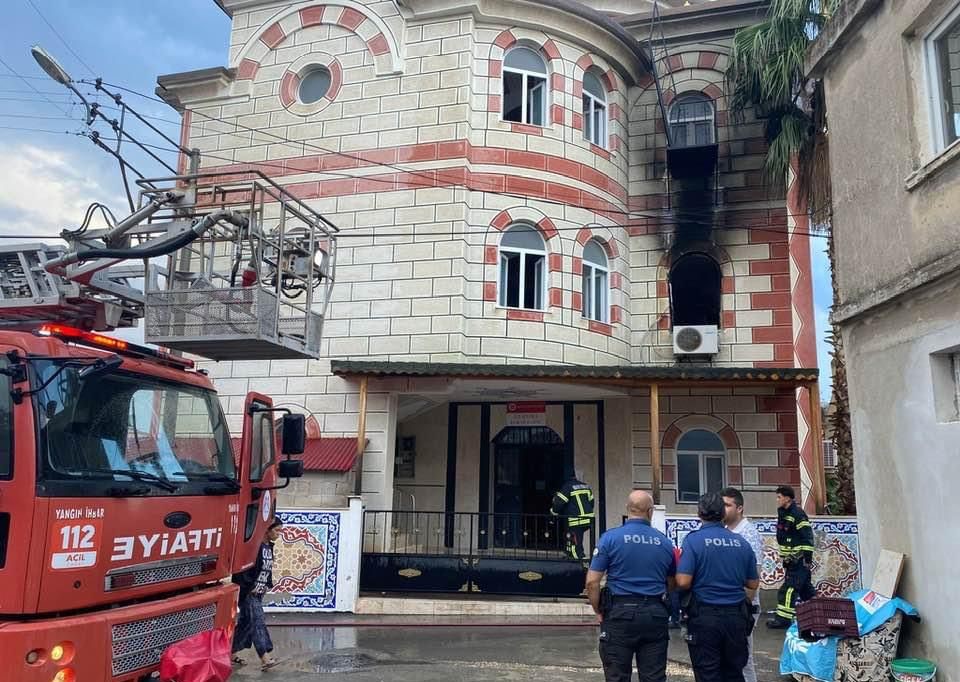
column 595, row 283
column 692, row 121
column 524, row 87
column 594, row 109
column 943, row 58
column 522, row 278
column 829, row 455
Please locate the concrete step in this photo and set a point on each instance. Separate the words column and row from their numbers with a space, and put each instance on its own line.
column 568, row 610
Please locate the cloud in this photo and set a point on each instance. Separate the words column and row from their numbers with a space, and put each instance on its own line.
column 46, row 190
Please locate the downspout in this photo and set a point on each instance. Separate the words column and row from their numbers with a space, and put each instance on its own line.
column 361, row 437
column 655, row 459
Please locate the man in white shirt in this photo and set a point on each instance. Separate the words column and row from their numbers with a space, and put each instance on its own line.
column 734, row 520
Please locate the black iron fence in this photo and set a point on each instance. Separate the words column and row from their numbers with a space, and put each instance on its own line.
column 469, row 534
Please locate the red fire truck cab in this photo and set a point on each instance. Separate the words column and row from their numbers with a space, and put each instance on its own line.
column 124, row 509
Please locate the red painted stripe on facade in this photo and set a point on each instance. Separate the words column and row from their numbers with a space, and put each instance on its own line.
column 378, row 45
column 312, row 16
column 350, row 18
column 273, row 36
column 525, row 315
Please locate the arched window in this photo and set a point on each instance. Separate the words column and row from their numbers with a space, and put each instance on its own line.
column 523, row 258
column 594, row 109
column 691, row 121
column 695, row 290
column 524, row 87
column 701, row 465
column 596, row 293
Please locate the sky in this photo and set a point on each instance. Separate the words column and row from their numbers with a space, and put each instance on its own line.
column 48, row 178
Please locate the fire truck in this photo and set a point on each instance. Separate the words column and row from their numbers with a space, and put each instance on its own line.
column 125, row 505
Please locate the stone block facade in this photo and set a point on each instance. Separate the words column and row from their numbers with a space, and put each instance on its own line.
column 408, row 153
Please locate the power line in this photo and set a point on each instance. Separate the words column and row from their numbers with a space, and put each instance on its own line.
column 429, row 176
column 415, row 233
column 430, row 182
column 31, row 86
column 37, row 117
column 58, row 93
column 42, row 130
column 60, row 37
column 24, row 78
column 360, row 159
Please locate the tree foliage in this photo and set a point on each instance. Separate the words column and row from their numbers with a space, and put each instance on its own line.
column 766, row 75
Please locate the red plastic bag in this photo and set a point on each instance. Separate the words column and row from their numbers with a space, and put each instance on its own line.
column 205, row 657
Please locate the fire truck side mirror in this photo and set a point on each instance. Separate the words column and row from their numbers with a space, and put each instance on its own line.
column 290, row 468
column 294, row 437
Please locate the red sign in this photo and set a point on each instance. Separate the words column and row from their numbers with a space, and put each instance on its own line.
column 527, row 408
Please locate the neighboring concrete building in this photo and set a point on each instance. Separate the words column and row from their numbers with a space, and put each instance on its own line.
column 520, row 248
column 896, row 188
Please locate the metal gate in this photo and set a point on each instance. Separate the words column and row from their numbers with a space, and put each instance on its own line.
column 508, row 554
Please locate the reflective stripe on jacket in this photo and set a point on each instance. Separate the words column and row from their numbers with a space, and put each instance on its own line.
column 575, row 501
column 794, row 533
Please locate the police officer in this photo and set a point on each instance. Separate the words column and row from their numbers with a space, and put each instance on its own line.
column 574, row 502
column 795, row 537
column 720, row 569
column 640, row 567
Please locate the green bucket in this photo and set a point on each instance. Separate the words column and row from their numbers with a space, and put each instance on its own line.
column 913, row 670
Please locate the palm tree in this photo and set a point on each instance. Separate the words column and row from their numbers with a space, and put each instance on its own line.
column 766, row 74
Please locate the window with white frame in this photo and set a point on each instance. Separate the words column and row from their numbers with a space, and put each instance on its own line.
column 701, row 465
column 596, row 294
column 692, row 121
column 594, row 109
column 943, row 59
column 524, row 87
column 522, row 278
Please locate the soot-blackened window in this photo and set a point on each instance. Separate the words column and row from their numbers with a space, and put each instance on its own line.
column 695, row 290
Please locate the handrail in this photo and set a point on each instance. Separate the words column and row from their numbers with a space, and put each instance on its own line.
column 399, row 492
column 466, row 534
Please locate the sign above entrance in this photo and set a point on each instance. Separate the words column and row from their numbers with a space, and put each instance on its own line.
column 527, row 414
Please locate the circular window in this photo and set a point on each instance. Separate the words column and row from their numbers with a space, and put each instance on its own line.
column 314, row 85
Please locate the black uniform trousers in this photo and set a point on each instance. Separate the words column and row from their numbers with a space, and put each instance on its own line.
column 797, row 585
column 635, row 628
column 717, row 638
column 575, row 538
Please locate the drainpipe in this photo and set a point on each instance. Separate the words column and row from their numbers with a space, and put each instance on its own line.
column 361, row 436
column 655, row 460
column 816, row 437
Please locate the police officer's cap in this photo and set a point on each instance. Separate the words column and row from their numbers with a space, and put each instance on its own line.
column 710, row 507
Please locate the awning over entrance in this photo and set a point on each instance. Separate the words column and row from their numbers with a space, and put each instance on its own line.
column 650, row 377
column 626, row 375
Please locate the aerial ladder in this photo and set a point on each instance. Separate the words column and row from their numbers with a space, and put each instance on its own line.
column 126, row 505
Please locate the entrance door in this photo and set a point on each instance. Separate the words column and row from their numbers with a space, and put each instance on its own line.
column 528, row 470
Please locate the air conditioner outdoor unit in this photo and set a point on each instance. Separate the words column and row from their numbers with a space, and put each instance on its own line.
column 695, row 340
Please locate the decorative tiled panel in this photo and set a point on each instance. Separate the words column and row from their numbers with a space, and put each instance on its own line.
column 836, row 562
column 305, row 565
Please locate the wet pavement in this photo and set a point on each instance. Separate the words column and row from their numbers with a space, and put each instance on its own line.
column 424, row 652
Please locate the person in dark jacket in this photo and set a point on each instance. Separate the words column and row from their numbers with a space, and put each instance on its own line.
column 795, row 537
column 254, row 583
column 574, row 503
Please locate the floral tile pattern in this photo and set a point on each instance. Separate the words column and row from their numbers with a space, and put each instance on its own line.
column 305, row 560
column 836, row 563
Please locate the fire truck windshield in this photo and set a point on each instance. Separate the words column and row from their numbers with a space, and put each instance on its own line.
column 115, row 422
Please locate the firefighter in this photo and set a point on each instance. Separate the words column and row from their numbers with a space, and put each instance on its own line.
column 795, row 537
column 720, row 569
column 640, row 565
column 574, row 502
